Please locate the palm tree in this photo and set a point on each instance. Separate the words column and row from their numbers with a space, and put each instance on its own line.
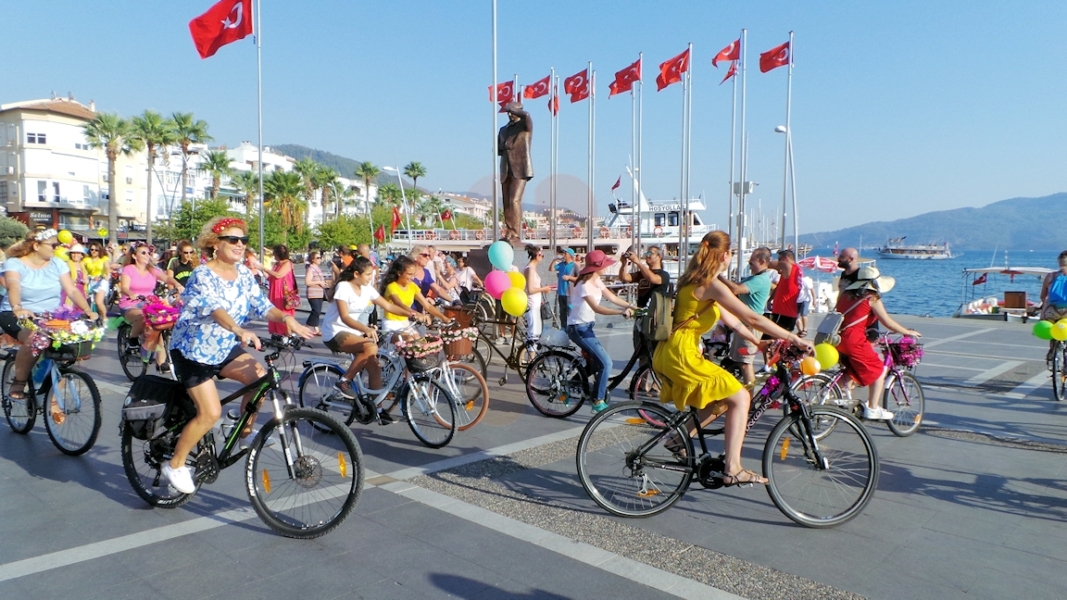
column 438, row 207
column 414, row 170
column 389, row 194
column 217, row 163
column 155, row 133
column 307, row 169
column 115, row 135
column 367, row 171
column 247, row 182
column 324, row 179
column 342, row 194
column 189, row 131
column 282, row 191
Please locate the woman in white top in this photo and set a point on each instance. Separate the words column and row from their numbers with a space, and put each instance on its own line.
column 345, row 327
column 534, row 289
column 585, row 299
column 467, row 279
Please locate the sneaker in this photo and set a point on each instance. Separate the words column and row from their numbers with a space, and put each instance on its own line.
column 246, row 442
column 385, row 418
column 599, row 406
column 180, row 479
column 876, row 414
column 345, row 387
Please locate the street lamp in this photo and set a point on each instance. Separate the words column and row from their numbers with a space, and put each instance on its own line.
column 789, row 176
column 403, row 200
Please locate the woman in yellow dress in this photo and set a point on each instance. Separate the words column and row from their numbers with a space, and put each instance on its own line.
column 688, row 379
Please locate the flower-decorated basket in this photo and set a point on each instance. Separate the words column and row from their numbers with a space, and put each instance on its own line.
column 459, row 342
column 160, row 315
column 421, row 354
column 907, row 352
column 64, row 332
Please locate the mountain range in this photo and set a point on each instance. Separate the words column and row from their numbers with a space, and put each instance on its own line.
column 1015, row 224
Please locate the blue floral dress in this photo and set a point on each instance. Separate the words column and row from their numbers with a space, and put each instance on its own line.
column 196, row 334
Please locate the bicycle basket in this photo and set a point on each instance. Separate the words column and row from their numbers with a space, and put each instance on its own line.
column 74, row 351
column 421, row 364
column 907, row 352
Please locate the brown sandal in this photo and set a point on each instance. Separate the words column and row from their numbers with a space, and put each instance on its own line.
column 19, row 395
column 58, row 416
column 750, row 477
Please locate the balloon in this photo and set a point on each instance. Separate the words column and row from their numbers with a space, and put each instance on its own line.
column 65, row 237
column 1043, row 330
column 1059, row 331
column 514, row 302
column 810, row 366
column 102, row 232
column 518, row 280
column 61, row 253
column 826, row 355
column 496, row 282
column 501, row 255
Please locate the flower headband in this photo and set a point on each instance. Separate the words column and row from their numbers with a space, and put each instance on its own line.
column 45, row 235
column 227, row 223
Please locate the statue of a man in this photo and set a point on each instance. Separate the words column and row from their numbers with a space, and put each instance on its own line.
column 516, row 166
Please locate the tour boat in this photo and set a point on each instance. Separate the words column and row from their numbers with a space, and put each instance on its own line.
column 895, row 248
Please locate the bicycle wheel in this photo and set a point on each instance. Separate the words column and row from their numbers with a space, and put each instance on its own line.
column 826, row 488
column 471, row 393
column 485, row 311
column 143, row 460
column 430, row 411
column 818, row 390
column 645, row 387
column 624, row 466
column 129, row 358
column 317, row 384
column 556, row 384
column 21, row 413
column 905, row 400
column 476, row 359
column 306, row 484
column 1059, row 371
column 78, row 398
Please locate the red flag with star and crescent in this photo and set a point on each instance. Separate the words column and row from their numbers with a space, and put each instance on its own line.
column 537, row 89
column 731, row 52
column 731, row 72
column 396, row 220
column 774, row 58
column 671, row 70
column 553, row 102
column 224, row 23
column 625, row 79
column 379, row 234
column 447, row 215
column 577, row 86
column 505, row 92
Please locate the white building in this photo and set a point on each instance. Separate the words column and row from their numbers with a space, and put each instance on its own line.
column 475, row 207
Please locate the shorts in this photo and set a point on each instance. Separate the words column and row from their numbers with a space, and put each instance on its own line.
column 10, row 324
column 128, row 308
column 751, row 350
column 786, row 323
column 343, row 337
column 192, row 373
column 395, row 325
column 1048, row 313
column 803, row 309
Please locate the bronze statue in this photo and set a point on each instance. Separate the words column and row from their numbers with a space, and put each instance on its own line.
column 516, row 167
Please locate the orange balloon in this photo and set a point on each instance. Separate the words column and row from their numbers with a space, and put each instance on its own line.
column 810, row 366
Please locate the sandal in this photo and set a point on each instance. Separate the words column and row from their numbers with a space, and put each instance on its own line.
column 750, row 477
column 803, row 333
column 675, row 446
column 19, row 395
column 58, row 416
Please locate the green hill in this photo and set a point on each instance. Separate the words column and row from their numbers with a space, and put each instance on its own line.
column 1015, row 224
column 345, row 167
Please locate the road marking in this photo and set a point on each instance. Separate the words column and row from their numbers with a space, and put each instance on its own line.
column 930, row 364
column 1029, row 386
column 988, row 374
column 961, row 336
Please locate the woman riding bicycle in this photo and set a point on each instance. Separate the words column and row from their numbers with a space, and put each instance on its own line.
column 181, row 266
column 208, row 339
column 35, row 280
column 399, row 287
column 138, row 280
column 689, row 379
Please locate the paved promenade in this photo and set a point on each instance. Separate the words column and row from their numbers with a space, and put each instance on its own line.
column 972, row 506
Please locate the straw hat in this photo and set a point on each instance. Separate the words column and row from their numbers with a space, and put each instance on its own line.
column 77, row 249
column 869, row 278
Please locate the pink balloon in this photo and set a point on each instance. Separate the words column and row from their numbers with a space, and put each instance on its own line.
column 496, row 283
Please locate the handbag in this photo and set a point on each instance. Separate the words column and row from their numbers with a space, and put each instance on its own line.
column 829, row 331
column 292, row 298
column 546, row 312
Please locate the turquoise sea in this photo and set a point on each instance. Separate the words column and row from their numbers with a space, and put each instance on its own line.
column 935, row 287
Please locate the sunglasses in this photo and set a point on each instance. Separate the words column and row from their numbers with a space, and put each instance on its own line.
column 234, row 239
column 424, row 255
column 143, row 252
column 51, row 245
column 188, row 251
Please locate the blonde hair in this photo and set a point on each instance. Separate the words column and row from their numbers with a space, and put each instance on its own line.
column 208, row 239
column 708, row 260
column 25, row 246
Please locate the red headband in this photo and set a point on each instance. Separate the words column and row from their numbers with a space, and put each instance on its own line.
column 227, row 223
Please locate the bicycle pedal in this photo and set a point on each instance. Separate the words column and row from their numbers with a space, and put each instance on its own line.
column 647, row 493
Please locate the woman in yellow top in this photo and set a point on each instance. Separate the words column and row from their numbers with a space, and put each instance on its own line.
column 399, row 287
column 98, row 267
column 688, row 378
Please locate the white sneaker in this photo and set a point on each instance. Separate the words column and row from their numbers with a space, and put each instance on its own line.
column 877, row 414
column 180, row 479
column 246, row 442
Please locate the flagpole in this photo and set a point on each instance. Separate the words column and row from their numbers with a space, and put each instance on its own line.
column 259, row 115
column 744, row 166
column 633, row 160
column 640, row 141
column 733, row 147
column 551, row 162
column 789, row 148
column 589, row 187
column 688, row 146
column 496, row 171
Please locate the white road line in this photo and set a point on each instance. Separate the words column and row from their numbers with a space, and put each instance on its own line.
column 926, row 363
column 988, row 374
column 961, row 336
column 1029, row 386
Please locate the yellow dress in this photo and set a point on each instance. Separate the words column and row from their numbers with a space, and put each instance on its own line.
column 689, row 379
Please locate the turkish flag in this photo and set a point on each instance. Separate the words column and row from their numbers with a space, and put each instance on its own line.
column 731, row 72
column 731, row 52
column 618, row 182
column 553, row 102
column 379, row 234
column 577, row 85
column 981, row 280
column 625, row 79
column 671, row 71
column 396, row 220
column 447, row 215
column 536, row 90
column 778, row 56
column 505, row 92
column 224, row 23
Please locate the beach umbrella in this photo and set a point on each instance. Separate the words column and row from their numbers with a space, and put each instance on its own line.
column 819, row 263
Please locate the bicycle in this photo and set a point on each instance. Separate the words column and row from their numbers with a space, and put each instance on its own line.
column 131, row 358
column 903, row 395
column 304, row 487
column 1057, row 363
column 627, row 470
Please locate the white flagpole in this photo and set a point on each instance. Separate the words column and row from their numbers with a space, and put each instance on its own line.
column 789, row 149
column 633, row 162
column 688, row 146
column 744, row 155
column 733, row 147
column 259, row 110
column 639, row 174
column 552, row 162
column 589, row 166
column 496, row 170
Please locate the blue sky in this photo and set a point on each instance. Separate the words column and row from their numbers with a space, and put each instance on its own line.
column 898, row 107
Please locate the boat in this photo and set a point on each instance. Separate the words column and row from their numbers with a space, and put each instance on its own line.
column 896, row 248
column 1011, row 306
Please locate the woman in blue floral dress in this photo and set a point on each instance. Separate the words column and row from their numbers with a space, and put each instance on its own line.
column 220, row 297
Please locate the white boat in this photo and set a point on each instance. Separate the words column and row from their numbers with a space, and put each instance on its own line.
column 895, row 248
column 1012, row 306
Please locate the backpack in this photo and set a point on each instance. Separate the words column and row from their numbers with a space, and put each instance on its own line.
column 658, row 322
column 829, row 331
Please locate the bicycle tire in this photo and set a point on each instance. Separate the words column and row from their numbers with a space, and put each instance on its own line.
column 21, row 413
column 1059, row 371
column 476, row 360
column 804, row 492
column 472, row 397
column 315, row 494
column 905, row 399
column 131, row 363
column 818, row 390
column 318, row 382
column 620, row 480
column 645, row 386
column 142, row 460
column 430, row 411
column 557, row 384
column 81, row 408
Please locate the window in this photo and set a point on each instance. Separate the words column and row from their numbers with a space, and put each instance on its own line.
column 3, row 192
column 55, row 191
column 78, row 146
column 36, row 138
column 660, row 220
column 87, row 195
column 672, row 219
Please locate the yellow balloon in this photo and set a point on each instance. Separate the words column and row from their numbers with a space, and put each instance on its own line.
column 810, row 366
column 1059, row 331
column 518, row 280
column 61, row 253
column 1064, row 321
column 65, row 237
column 514, row 302
column 826, row 355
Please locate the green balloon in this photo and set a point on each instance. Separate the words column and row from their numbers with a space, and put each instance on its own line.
column 1043, row 330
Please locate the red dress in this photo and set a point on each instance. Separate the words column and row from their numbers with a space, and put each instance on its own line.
column 861, row 362
column 276, row 294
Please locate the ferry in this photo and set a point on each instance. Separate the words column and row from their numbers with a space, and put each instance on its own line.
column 895, row 248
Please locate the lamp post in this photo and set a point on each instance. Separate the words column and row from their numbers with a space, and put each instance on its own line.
column 791, row 176
column 403, row 200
